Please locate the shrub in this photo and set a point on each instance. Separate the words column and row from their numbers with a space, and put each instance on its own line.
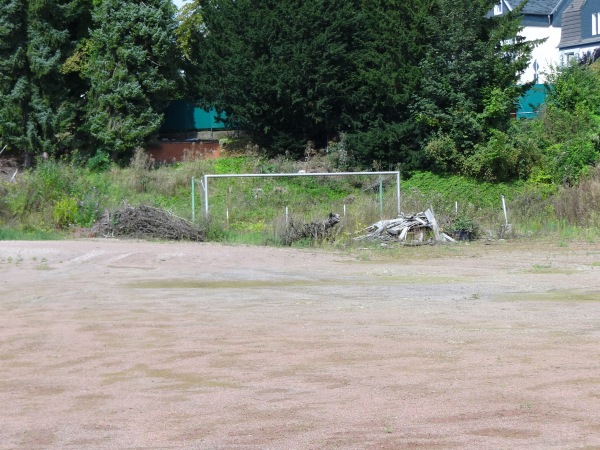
column 65, row 212
column 100, row 162
column 497, row 159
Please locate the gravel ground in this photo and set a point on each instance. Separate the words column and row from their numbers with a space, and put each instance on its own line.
column 108, row 344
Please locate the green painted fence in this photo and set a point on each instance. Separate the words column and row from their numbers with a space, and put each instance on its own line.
column 183, row 115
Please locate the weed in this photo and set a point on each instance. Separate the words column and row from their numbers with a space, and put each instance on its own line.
column 249, row 210
column 10, row 234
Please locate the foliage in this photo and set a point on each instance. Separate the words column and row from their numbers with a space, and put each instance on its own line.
column 54, row 193
column 462, row 189
column 38, row 104
column 60, row 193
column 64, row 212
column 14, row 234
column 132, row 68
column 469, row 85
column 579, row 204
column 284, row 71
column 558, row 146
column 496, row 159
column 389, row 74
column 575, row 87
column 465, row 224
column 99, row 162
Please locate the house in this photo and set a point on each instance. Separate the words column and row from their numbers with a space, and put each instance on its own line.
column 580, row 29
column 541, row 20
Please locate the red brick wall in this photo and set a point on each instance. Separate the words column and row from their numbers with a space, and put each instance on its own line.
column 167, row 151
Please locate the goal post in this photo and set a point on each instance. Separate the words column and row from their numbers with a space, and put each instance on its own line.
column 273, row 175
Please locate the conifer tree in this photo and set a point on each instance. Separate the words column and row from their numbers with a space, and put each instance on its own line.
column 132, row 68
column 283, row 70
column 470, row 74
column 36, row 112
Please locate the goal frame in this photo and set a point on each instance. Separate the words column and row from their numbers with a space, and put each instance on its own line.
column 300, row 174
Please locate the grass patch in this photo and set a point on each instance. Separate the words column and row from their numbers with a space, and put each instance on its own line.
column 62, row 195
column 9, row 234
column 553, row 296
column 224, row 284
column 548, row 268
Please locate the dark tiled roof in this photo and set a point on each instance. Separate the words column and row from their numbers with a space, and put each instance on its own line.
column 571, row 29
column 537, row 7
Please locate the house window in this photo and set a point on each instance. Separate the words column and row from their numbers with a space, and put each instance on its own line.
column 568, row 57
column 595, row 24
column 498, row 9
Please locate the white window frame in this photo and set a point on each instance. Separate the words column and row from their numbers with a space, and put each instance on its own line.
column 569, row 56
column 595, row 24
column 498, row 9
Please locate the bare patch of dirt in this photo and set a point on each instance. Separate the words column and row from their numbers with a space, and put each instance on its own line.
column 124, row 344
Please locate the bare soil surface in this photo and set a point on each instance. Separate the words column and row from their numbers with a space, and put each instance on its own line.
column 108, row 344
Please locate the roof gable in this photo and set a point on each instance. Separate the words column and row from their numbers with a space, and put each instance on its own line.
column 577, row 24
column 536, row 7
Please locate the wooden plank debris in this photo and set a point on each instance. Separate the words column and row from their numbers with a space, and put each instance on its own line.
column 412, row 229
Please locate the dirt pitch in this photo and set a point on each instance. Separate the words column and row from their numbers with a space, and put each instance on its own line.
column 132, row 345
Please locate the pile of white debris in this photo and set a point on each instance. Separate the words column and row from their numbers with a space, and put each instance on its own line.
column 420, row 228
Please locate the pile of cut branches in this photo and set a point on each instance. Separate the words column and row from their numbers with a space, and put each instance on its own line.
column 146, row 222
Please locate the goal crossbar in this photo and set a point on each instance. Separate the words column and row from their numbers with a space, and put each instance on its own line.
column 271, row 175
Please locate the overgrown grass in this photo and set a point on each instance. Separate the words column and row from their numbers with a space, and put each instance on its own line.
column 60, row 195
column 12, row 234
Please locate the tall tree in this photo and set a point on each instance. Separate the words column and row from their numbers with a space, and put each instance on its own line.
column 36, row 109
column 389, row 74
column 284, row 70
column 470, row 74
column 133, row 70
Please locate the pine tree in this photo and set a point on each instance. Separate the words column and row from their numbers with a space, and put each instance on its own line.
column 389, row 74
column 36, row 112
column 470, row 78
column 132, row 67
column 283, row 70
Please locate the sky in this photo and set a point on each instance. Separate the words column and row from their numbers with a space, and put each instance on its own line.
column 178, row 3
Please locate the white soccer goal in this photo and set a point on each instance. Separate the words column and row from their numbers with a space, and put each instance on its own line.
column 272, row 175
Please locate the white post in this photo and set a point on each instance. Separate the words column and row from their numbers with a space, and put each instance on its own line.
column 193, row 201
column 205, row 186
column 286, row 215
column 344, row 210
column 504, row 208
column 398, row 191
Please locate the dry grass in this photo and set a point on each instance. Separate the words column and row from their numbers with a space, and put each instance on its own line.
column 580, row 205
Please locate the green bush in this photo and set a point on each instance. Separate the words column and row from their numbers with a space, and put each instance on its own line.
column 497, row 159
column 100, row 162
column 65, row 212
column 572, row 159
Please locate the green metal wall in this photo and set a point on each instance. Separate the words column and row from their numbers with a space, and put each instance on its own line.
column 530, row 103
column 183, row 115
